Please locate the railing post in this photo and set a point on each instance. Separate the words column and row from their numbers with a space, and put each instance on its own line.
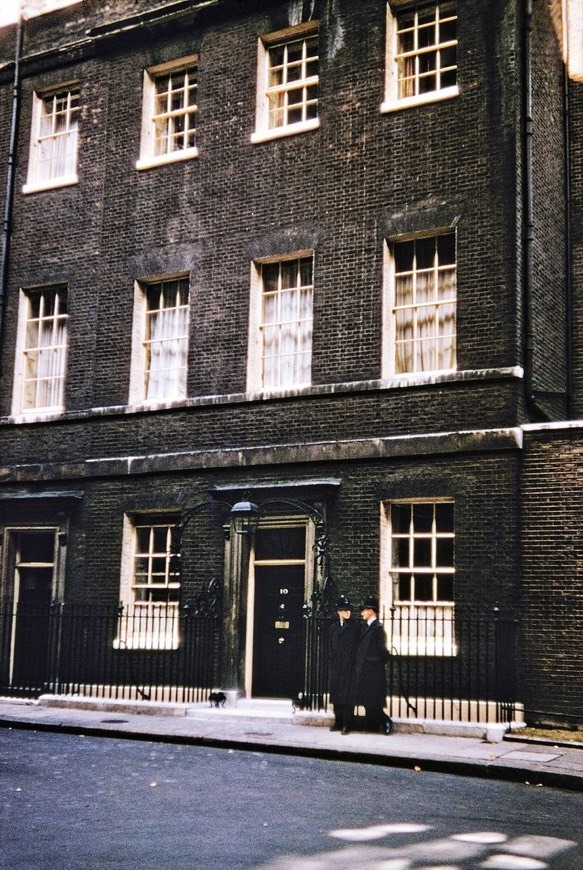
column 53, row 675
column 505, row 664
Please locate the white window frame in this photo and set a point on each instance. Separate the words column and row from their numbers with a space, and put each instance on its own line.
column 148, row 145
column 41, row 139
column 264, row 129
column 26, row 373
column 393, row 102
column 255, row 362
column 419, row 627
column 149, row 625
column 573, row 38
column 391, row 309
column 142, row 339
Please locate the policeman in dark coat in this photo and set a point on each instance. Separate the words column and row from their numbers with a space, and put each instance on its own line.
column 344, row 633
column 370, row 684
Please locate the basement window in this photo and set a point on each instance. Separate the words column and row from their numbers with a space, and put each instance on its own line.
column 419, row 538
column 150, row 585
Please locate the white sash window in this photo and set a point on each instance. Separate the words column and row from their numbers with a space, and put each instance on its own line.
column 44, row 353
column 53, row 149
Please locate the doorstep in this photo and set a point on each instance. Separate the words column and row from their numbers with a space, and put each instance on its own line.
column 109, row 705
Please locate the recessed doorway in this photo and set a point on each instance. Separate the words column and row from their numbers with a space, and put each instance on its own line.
column 276, row 627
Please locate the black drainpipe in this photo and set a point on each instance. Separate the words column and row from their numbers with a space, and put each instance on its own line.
column 12, row 152
column 568, row 233
column 528, row 222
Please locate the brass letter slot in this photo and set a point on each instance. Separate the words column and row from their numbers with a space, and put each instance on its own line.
column 279, row 624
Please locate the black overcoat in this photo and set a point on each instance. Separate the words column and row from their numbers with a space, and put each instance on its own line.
column 342, row 649
column 370, row 683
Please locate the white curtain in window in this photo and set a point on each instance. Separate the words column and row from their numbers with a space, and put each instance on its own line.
column 51, row 364
column 45, row 353
column 404, row 332
column 446, row 326
column 305, row 336
column 287, row 323
column 58, row 156
column 288, row 337
column 166, row 375
column 58, row 137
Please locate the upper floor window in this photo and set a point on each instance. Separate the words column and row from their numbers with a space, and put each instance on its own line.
column 287, row 76
column 41, row 361
column 169, row 113
column 150, row 584
column 159, row 363
column 53, row 144
column 421, row 333
column 421, row 61
column 280, row 353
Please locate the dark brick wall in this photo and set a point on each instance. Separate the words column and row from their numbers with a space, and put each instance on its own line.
column 341, row 188
column 239, row 424
column 486, row 553
column 576, row 196
column 548, row 290
column 552, row 555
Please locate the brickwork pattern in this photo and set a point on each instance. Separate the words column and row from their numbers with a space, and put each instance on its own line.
column 552, row 556
column 341, row 190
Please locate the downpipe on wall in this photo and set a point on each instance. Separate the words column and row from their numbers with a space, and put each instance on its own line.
column 11, row 169
column 531, row 401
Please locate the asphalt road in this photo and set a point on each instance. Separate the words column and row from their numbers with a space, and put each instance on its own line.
column 78, row 802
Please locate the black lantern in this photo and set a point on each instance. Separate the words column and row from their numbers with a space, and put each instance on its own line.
column 245, row 517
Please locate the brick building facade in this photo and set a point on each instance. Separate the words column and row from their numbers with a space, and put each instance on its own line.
column 322, row 259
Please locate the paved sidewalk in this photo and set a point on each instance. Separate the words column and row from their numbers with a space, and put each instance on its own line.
column 513, row 759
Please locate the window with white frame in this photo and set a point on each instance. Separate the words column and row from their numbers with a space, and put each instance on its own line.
column 42, row 350
column 169, row 121
column 421, row 574
column 150, row 586
column 287, row 76
column 421, row 63
column 160, row 353
column 53, row 146
column 281, row 323
column 421, row 333
column 573, row 38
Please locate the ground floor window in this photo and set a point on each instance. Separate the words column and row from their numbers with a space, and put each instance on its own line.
column 150, row 585
column 418, row 579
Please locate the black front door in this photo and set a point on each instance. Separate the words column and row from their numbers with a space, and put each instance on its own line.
column 34, row 567
column 31, row 631
column 278, row 649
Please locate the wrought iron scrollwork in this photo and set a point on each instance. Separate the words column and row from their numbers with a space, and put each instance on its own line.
column 206, row 602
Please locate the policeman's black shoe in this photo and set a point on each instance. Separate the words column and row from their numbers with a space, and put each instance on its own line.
column 335, row 727
column 345, row 731
column 388, row 729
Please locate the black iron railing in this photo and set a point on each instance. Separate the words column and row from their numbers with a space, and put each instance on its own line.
column 113, row 652
column 441, row 665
